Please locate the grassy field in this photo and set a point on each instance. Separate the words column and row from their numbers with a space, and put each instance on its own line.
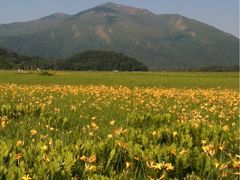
column 227, row 80
column 104, row 125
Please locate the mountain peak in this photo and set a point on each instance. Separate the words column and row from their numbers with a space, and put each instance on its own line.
column 110, row 4
column 115, row 6
column 112, row 8
column 124, row 8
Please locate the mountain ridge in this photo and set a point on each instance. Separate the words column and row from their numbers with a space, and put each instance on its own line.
column 166, row 41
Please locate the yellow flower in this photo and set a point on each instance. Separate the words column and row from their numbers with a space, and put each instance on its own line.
column 90, row 159
column 91, row 134
column 122, row 144
column 158, row 166
column 45, row 158
column 209, row 149
column 112, row 122
column 169, row 166
column 19, row 143
column 18, row 156
column 153, row 165
column 236, row 164
column 43, row 136
column 173, row 152
column 50, row 141
column 3, row 121
column 223, row 166
column 57, row 110
column 93, row 118
column 83, row 158
column 216, row 164
column 225, row 128
column 110, row 136
column 45, row 147
column 26, row 177
column 128, row 164
column 203, row 142
column 73, row 108
column 150, row 164
column 162, row 177
column 33, row 132
column 221, row 147
column 119, row 131
column 94, row 126
column 90, row 167
column 3, row 124
column 175, row 133
column 154, row 133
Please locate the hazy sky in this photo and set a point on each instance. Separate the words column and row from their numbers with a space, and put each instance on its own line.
column 223, row 14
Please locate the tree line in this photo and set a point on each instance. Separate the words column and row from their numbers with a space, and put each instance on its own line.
column 94, row 60
column 91, row 60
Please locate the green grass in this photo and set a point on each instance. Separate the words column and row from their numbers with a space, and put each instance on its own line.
column 129, row 79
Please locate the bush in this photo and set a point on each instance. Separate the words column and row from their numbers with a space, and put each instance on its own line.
column 46, row 73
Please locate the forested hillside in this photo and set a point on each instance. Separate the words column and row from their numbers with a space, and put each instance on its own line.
column 89, row 60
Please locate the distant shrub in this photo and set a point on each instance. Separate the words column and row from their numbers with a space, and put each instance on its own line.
column 46, row 73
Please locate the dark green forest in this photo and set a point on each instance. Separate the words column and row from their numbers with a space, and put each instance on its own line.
column 90, row 60
column 101, row 61
column 12, row 60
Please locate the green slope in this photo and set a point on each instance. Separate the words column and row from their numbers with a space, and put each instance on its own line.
column 30, row 27
column 159, row 41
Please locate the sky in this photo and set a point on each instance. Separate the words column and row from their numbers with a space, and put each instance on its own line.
column 222, row 14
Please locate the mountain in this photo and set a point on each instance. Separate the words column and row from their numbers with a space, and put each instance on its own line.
column 31, row 27
column 167, row 41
